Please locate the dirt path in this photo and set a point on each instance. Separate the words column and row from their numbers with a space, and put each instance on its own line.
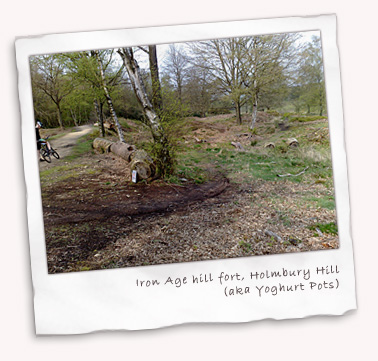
column 64, row 144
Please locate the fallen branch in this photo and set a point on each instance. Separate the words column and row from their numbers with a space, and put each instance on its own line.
column 264, row 163
column 292, row 175
column 319, row 232
column 272, row 234
column 238, row 146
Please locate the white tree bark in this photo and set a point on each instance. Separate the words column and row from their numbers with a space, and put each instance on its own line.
column 163, row 157
column 135, row 76
column 109, row 99
column 254, row 113
column 254, row 105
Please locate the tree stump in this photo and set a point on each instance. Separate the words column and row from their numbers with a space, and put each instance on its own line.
column 292, row 142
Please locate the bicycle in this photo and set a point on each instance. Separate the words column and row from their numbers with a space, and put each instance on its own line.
column 47, row 152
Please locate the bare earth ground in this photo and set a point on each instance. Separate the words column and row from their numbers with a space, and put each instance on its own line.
column 98, row 219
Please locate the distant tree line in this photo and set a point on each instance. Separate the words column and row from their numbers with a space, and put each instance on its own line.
column 239, row 75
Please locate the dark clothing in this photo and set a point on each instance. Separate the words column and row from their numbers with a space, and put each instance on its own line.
column 38, row 138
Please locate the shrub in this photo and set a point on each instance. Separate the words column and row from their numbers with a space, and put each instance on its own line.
column 273, row 112
column 303, row 119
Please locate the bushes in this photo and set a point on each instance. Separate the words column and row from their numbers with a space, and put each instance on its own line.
column 303, row 119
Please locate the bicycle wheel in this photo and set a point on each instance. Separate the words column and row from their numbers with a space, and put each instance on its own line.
column 55, row 153
column 46, row 155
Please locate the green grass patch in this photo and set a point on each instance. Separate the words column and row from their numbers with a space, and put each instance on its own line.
column 83, row 146
column 64, row 172
column 330, row 228
column 59, row 170
column 247, row 247
column 327, row 202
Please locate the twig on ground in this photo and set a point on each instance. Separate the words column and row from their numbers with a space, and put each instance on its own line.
column 272, row 234
column 264, row 163
column 319, row 231
column 173, row 187
column 292, row 175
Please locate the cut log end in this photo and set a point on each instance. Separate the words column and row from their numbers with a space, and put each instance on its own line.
column 269, row 145
column 143, row 164
column 292, row 142
column 139, row 160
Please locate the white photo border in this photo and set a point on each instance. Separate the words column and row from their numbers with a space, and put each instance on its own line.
column 84, row 302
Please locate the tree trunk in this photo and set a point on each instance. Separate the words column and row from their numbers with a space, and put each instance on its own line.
column 100, row 116
column 156, row 88
column 321, row 103
column 133, row 70
column 74, row 117
column 238, row 112
column 179, row 92
column 255, row 97
column 59, row 113
column 162, row 147
column 109, row 99
column 254, row 112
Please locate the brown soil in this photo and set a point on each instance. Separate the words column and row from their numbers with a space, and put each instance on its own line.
column 98, row 219
column 104, row 221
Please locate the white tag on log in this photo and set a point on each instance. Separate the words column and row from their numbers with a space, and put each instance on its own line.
column 134, row 176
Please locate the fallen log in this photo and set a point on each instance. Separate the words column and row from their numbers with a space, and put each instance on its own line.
column 102, row 145
column 123, row 150
column 139, row 160
column 142, row 163
column 238, row 146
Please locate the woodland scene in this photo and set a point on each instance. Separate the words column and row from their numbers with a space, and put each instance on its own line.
column 185, row 152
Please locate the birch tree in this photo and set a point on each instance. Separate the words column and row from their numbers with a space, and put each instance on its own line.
column 162, row 145
column 108, row 97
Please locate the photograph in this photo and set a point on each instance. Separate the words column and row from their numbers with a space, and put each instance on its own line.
column 182, row 152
